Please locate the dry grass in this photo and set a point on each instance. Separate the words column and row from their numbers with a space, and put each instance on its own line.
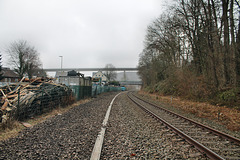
column 15, row 126
column 229, row 117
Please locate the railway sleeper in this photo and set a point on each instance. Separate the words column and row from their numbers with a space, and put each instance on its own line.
column 179, row 123
column 177, row 140
column 171, row 135
column 184, row 127
column 198, row 132
column 166, row 130
column 213, row 142
column 195, row 155
column 228, row 149
column 206, row 137
column 231, row 158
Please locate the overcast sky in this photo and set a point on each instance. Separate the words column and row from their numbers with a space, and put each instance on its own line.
column 87, row 33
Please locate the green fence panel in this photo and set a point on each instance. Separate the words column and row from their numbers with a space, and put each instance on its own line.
column 81, row 92
column 106, row 88
column 96, row 90
column 75, row 90
column 87, row 91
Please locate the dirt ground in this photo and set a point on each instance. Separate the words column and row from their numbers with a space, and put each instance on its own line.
column 229, row 117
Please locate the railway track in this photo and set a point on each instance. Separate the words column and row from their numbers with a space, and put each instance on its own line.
column 213, row 143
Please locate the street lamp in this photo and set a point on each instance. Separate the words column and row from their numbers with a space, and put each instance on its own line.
column 61, row 62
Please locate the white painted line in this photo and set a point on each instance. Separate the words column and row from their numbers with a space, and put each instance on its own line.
column 96, row 153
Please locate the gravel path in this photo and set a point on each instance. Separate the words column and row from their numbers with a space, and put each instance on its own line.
column 133, row 135
column 68, row 136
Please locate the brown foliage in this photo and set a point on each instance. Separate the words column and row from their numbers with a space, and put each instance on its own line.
column 191, row 86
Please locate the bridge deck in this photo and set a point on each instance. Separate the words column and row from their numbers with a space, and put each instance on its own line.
column 89, row 69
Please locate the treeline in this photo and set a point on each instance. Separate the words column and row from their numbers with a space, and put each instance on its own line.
column 194, row 50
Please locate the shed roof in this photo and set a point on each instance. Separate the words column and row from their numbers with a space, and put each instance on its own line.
column 61, row 74
column 8, row 73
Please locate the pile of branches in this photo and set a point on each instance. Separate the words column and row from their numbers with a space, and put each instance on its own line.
column 28, row 98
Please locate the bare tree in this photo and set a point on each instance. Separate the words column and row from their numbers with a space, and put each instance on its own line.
column 196, row 37
column 110, row 72
column 23, row 58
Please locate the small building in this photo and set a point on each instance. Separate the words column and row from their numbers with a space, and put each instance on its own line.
column 80, row 85
column 100, row 76
column 60, row 74
column 73, row 78
column 9, row 76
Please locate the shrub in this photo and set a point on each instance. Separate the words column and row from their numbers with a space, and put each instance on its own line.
column 228, row 96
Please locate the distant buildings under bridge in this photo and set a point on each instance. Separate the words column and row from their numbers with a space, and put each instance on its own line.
column 128, row 77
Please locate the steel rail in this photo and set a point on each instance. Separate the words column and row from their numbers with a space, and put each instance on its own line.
column 198, row 145
column 221, row 134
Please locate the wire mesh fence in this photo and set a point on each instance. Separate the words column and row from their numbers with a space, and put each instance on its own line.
column 96, row 90
column 81, row 92
column 27, row 99
column 45, row 99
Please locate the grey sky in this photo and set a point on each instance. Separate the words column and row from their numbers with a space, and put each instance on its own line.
column 87, row 33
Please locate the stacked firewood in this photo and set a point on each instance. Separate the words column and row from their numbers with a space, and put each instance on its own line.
column 28, row 98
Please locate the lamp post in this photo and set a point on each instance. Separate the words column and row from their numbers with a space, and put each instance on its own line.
column 61, row 62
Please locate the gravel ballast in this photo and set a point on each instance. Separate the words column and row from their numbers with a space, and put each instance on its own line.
column 131, row 134
column 68, row 136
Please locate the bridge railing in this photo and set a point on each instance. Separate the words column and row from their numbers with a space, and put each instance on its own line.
column 89, row 69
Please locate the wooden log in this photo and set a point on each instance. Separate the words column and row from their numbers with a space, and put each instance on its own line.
column 4, row 106
column 8, row 109
column 7, row 99
column 12, row 96
column 9, row 87
column 19, row 84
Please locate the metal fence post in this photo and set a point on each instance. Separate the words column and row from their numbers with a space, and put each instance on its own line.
column 95, row 92
column 41, row 107
column 18, row 105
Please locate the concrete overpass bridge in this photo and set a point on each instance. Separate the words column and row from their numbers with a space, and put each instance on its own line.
column 127, row 81
column 89, row 69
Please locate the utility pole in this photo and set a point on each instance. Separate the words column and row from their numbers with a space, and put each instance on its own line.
column 61, row 63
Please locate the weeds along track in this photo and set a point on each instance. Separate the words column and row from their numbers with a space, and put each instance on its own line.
column 215, row 144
